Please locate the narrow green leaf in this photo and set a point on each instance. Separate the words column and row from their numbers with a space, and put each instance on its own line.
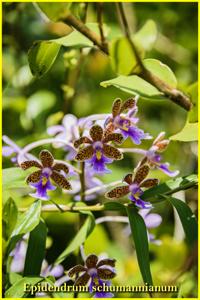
column 161, row 70
column 169, row 187
column 55, row 11
column 134, row 85
column 187, row 218
column 193, row 93
column 17, row 290
column 36, row 250
column 147, row 35
column 10, row 213
column 139, row 234
column 189, row 133
column 25, row 223
column 41, row 57
column 79, row 239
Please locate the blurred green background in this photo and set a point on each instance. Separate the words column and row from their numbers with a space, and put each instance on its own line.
column 30, row 105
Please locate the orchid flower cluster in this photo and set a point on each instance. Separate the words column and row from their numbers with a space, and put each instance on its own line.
column 94, row 142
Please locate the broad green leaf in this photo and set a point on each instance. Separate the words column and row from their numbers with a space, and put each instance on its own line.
column 13, row 277
column 55, row 11
column 39, row 102
column 139, row 234
column 77, row 40
column 79, row 238
column 36, row 250
column 161, row 70
column 14, row 178
column 122, row 57
column 25, row 223
column 147, row 35
column 10, row 212
column 169, row 187
column 134, row 85
column 189, row 133
column 187, row 218
column 114, row 205
column 17, row 290
column 41, row 57
column 193, row 93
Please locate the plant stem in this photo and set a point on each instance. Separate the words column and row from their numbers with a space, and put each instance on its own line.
column 100, row 23
column 82, row 181
column 60, row 208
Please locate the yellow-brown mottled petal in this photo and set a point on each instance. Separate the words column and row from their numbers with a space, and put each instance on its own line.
column 34, row 177
column 82, row 140
column 112, row 152
column 106, row 261
column 96, row 133
column 141, row 173
column 75, row 270
column 162, row 145
column 118, row 192
column 105, row 273
column 29, row 164
column 144, row 160
column 82, row 280
column 115, row 137
column 116, row 107
column 91, row 261
column 128, row 178
column 85, row 153
column 60, row 167
column 128, row 104
column 148, row 183
column 46, row 158
column 60, row 180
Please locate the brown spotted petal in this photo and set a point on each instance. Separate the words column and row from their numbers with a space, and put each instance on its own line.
column 141, row 174
column 112, row 152
column 46, row 158
column 85, row 153
column 34, row 177
column 75, row 270
column 91, row 261
column 116, row 107
column 29, row 164
column 143, row 161
column 118, row 192
column 60, row 180
column 96, row 133
column 104, row 273
column 82, row 280
column 128, row 104
column 82, row 140
column 148, row 183
column 106, row 261
column 114, row 137
column 128, row 178
column 60, row 167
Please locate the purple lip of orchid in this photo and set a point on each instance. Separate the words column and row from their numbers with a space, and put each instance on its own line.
column 47, row 169
column 134, row 186
column 99, row 152
column 154, row 159
column 126, row 123
column 94, row 270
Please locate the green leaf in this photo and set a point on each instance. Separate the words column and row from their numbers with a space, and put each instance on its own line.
column 161, row 70
column 139, row 234
column 113, row 205
column 79, row 239
column 14, row 178
column 25, row 223
column 123, row 64
column 39, row 102
column 189, row 133
column 193, row 93
column 147, row 35
column 10, row 212
column 55, row 11
column 17, row 290
column 41, row 57
column 187, row 218
column 36, row 250
column 169, row 187
column 134, row 85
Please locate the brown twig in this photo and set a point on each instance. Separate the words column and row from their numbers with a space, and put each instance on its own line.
column 100, row 23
